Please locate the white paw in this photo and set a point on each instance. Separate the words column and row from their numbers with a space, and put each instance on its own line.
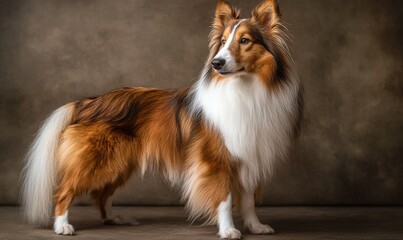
column 230, row 233
column 117, row 220
column 259, row 228
column 64, row 229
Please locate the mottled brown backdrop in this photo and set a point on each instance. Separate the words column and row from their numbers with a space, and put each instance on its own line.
column 349, row 56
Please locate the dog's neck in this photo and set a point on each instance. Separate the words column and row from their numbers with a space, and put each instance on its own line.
column 245, row 112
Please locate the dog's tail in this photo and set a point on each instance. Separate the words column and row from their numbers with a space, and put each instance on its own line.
column 39, row 173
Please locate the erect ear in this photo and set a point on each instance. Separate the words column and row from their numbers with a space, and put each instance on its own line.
column 225, row 12
column 267, row 14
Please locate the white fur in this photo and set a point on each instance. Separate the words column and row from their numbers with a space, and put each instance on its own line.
column 251, row 221
column 225, row 53
column 190, row 191
column 225, row 222
column 150, row 162
column 62, row 226
column 39, row 171
column 256, row 124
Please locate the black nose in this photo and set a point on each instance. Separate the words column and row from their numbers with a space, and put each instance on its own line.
column 218, row 63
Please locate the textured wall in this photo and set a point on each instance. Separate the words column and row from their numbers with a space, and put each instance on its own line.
column 349, row 55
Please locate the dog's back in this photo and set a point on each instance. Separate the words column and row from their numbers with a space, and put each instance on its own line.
column 219, row 140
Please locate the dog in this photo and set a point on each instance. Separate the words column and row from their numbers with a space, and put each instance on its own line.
column 219, row 140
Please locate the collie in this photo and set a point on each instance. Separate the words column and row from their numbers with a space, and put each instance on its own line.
column 219, row 140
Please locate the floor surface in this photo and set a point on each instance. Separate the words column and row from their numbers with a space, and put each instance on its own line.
column 170, row 223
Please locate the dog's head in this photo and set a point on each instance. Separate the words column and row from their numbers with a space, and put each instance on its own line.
column 241, row 46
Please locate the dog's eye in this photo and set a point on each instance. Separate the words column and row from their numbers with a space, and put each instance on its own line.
column 223, row 41
column 244, row 41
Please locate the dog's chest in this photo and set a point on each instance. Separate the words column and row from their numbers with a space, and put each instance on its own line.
column 256, row 124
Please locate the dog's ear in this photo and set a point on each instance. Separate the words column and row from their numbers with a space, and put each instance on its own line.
column 224, row 13
column 267, row 14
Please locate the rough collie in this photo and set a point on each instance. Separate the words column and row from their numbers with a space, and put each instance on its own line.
column 219, row 140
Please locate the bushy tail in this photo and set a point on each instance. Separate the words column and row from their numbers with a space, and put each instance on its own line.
column 38, row 175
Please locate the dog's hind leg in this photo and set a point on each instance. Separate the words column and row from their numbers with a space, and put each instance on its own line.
column 103, row 200
column 91, row 158
column 61, row 226
column 112, row 219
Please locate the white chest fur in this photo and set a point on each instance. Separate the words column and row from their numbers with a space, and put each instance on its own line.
column 256, row 124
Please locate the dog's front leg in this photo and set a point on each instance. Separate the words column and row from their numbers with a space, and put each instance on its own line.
column 251, row 221
column 225, row 221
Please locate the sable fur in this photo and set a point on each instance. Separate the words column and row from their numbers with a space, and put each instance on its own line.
column 186, row 135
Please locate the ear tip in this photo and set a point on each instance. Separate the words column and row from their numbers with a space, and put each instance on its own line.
column 225, row 10
column 274, row 3
column 220, row 2
column 266, row 11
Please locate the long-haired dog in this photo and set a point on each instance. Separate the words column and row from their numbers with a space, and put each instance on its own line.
column 219, row 140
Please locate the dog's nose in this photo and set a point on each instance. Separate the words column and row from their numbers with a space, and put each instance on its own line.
column 218, row 63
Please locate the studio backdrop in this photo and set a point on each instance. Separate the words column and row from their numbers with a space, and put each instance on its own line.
column 348, row 54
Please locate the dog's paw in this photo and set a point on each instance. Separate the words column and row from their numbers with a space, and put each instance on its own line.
column 230, row 233
column 259, row 228
column 64, row 229
column 117, row 220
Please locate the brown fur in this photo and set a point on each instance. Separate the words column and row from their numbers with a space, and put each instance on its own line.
column 137, row 129
column 225, row 14
column 142, row 129
column 264, row 52
column 216, row 172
